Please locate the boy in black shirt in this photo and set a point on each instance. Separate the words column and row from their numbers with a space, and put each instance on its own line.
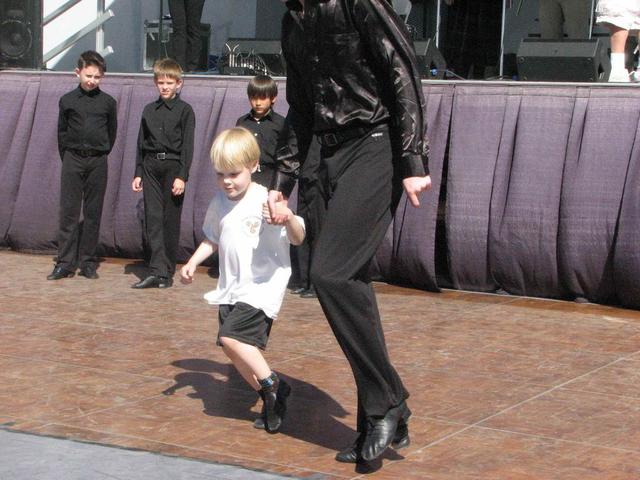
column 165, row 150
column 264, row 123
column 87, row 126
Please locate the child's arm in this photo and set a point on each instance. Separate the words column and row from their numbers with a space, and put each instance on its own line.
column 112, row 124
column 62, row 128
column 295, row 229
column 204, row 251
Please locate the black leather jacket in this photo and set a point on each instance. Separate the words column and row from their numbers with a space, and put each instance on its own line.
column 350, row 64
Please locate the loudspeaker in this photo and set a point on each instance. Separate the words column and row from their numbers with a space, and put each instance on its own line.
column 244, row 56
column 153, row 49
column 21, row 34
column 562, row 60
column 431, row 63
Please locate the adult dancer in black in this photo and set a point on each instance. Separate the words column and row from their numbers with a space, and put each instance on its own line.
column 352, row 80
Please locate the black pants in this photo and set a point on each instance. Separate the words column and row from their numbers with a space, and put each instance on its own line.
column 162, row 212
column 82, row 187
column 311, row 207
column 356, row 180
column 185, row 18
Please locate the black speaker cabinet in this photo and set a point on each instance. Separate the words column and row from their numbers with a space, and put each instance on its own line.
column 154, row 49
column 20, row 34
column 562, row 60
column 431, row 63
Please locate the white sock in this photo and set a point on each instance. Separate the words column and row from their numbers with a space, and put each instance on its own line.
column 617, row 61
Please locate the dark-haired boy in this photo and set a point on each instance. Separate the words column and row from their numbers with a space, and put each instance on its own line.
column 165, row 150
column 87, row 126
column 264, row 123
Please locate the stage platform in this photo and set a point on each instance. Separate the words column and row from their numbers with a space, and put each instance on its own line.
column 502, row 387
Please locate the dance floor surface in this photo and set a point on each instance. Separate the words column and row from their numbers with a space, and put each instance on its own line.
column 501, row 387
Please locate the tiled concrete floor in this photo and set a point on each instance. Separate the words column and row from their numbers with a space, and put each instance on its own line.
column 501, row 387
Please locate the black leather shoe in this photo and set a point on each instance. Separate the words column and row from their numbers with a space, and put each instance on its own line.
column 88, row 271
column 381, row 431
column 153, row 281
column 274, row 406
column 309, row 293
column 59, row 272
column 353, row 453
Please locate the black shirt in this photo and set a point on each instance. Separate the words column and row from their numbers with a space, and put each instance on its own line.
column 350, row 64
column 167, row 127
column 266, row 131
column 87, row 121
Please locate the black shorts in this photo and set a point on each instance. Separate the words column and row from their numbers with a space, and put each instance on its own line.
column 244, row 323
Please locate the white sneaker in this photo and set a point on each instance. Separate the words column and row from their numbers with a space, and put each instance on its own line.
column 635, row 75
column 619, row 76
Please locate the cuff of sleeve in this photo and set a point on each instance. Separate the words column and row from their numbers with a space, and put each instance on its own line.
column 414, row 166
column 283, row 183
column 138, row 172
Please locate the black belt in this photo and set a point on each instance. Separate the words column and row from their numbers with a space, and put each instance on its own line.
column 162, row 155
column 87, row 153
column 336, row 137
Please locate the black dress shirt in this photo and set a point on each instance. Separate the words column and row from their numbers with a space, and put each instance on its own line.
column 350, row 64
column 167, row 127
column 87, row 121
column 266, row 131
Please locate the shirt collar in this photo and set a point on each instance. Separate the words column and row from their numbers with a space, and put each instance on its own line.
column 169, row 103
column 92, row 93
column 249, row 116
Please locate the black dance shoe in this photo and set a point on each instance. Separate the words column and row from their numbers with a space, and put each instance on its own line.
column 274, row 406
column 381, row 431
column 353, row 453
column 89, row 271
column 153, row 281
column 59, row 272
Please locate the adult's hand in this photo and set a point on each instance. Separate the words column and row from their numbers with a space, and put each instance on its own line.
column 413, row 186
column 276, row 198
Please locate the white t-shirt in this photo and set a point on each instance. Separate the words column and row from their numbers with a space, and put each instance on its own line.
column 254, row 256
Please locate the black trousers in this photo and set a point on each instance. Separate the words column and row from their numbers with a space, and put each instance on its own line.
column 162, row 212
column 356, row 180
column 83, row 184
column 185, row 18
column 311, row 207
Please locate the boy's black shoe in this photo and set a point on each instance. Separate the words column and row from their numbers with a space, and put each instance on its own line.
column 89, row 271
column 309, row 293
column 274, row 406
column 59, row 272
column 153, row 281
column 381, row 431
column 353, row 453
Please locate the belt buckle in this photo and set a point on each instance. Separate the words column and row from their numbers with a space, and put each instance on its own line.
column 161, row 156
column 330, row 139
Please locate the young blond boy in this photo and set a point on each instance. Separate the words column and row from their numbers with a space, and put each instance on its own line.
column 165, row 150
column 254, row 266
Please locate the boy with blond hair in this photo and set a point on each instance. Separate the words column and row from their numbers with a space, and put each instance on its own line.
column 254, row 266
column 165, row 150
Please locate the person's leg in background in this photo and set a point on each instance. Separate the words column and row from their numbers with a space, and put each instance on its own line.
column 178, row 11
column 194, row 41
column 619, row 72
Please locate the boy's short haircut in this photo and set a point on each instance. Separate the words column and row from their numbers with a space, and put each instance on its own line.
column 167, row 67
column 92, row 58
column 262, row 86
column 235, row 148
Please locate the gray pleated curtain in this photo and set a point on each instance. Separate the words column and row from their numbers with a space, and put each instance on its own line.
column 542, row 182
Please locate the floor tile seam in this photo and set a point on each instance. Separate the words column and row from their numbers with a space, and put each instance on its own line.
column 163, row 454
column 546, row 392
column 557, row 439
column 85, row 367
